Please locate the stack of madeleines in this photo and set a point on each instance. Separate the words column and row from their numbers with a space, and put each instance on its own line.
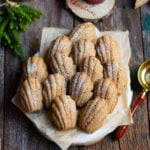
column 87, row 78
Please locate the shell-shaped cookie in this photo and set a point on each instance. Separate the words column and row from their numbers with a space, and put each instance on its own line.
column 63, row 64
column 81, row 88
column 61, row 44
column 92, row 66
column 93, row 115
column 118, row 73
column 83, row 31
column 107, row 49
column 106, row 89
column 30, row 95
column 81, row 49
column 53, row 86
column 35, row 67
column 64, row 113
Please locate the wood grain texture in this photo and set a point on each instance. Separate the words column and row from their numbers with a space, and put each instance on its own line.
column 19, row 133
column 2, row 56
column 128, row 19
column 145, row 18
column 1, row 96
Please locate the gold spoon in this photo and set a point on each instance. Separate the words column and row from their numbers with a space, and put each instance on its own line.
column 144, row 80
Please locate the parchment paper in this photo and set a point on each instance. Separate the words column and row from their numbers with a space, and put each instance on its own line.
column 120, row 116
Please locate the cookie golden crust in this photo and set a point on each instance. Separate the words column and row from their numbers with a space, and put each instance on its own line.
column 30, row 95
column 92, row 66
column 64, row 113
column 93, row 115
column 35, row 67
column 63, row 64
column 83, row 31
column 81, row 50
column 117, row 72
column 81, row 88
column 53, row 86
column 106, row 89
column 61, row 44
column 107, row 49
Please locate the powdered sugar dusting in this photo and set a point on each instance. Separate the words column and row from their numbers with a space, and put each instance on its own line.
column 102, row 48
column 76, row 137
column 77, row 34
column 32, row 68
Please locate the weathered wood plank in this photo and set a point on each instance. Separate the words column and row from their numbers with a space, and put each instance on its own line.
column 145, row 18
column 108, row 143
column 146, row 35
column 2, row 57
column 19, row 131
column 1, row 96
column 126, row 18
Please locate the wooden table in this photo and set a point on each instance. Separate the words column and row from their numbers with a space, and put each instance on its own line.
column 18, row 133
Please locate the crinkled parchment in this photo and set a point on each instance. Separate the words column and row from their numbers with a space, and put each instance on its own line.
column 120, row 116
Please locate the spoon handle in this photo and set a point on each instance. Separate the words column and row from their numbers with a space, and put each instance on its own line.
column 121, row 130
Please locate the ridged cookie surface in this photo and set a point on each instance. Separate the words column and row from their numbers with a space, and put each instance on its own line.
column 30, row 95
column 53, row 86
column 81, row 50
column 63, row 64
column 64, row 113
column 93, row 115
column 83, row 31
column 107, row 49
column 81, row 88
column 61, row 44
column 92, row 66
column 117, row 72
column 35, row 67
column 106, row 89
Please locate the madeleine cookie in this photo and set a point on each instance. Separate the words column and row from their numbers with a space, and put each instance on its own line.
column 107, row 49
column 106, row 89
column 117, row 72
column 81, row 88
column 82, row 49
column 30, row 95
column 35, row 67
column 83, row 31
column 63, row 64
column 92, row 66
column 61, row 44
column 53, row 86
column 64, row 113
column 93, row 115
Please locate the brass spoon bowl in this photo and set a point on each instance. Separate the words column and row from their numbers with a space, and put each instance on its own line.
column 144, row 80
column 144, row 75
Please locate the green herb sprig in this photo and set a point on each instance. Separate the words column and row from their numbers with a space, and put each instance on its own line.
column 15, row 17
